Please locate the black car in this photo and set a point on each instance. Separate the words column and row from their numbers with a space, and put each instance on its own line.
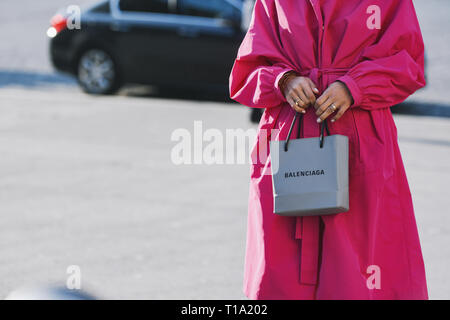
column 156, row 42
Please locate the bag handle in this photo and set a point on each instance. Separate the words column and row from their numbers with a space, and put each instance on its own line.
column 286, row 145
column 322, row 136
column 323, row 126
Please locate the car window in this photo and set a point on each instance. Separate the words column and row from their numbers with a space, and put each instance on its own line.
column 209, row 8
column 157, row 6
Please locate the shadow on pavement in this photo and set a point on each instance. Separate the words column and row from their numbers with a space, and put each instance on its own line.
column 180, row 93
column 33, row 79
column 423, row 109
column 194, row 93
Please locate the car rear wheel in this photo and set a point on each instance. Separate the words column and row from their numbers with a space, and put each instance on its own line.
column 97, row 72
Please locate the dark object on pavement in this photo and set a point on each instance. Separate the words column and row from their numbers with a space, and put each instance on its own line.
column 48, row 293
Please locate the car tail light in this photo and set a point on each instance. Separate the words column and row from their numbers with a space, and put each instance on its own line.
column 58, row 23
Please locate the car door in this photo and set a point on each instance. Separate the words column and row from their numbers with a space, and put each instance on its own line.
column 171, row 42
column 212, row 38
column 146, row 39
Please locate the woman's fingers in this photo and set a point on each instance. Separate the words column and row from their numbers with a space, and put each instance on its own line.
column 328, row 107
column 295, row 104
column 320, row 102
column 305, row 93
column 328, row 112
column 313, row 89
column 301, row 94
column 337, row 96
column 309, row 93
column 294, row 98
column 313, row 86
column 299, row 102
column 340, row 113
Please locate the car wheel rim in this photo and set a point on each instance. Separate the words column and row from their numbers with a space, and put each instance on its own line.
column 96, row 71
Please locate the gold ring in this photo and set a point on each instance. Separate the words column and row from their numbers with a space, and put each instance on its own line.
column 296, row 102
column 333, row 107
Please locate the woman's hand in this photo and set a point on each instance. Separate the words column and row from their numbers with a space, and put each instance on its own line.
column 337, row 97
column 300, row 92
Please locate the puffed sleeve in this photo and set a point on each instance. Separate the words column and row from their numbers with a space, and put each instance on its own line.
column 260, row 62
column 392, row 68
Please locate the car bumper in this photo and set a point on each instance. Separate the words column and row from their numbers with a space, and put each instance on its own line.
column 62, row 55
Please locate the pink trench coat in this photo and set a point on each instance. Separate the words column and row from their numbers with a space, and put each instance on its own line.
column 373, row 250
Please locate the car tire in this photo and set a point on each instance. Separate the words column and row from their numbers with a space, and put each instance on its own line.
column 97, row 72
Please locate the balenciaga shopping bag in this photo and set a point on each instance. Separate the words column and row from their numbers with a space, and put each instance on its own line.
column 310, row 175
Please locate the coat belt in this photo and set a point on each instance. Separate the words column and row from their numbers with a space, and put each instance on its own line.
column 316, row 73
column 307, row 229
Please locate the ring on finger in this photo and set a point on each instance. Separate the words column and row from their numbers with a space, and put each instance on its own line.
column 333, row 107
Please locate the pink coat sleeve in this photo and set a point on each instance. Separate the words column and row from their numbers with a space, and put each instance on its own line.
column 260, row 62
column 393, row 67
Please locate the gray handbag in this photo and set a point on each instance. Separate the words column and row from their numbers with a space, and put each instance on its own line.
column 310, row 175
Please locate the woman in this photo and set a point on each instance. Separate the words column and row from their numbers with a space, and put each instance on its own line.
column 344, row 62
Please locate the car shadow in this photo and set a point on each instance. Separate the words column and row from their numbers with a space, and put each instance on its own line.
column 422, row 109
column 33, row 79
column 38, row 79
column 29, row 79
column 179, row 93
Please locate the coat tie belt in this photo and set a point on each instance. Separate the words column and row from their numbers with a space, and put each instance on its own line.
column 307, row 228
column 315, row 74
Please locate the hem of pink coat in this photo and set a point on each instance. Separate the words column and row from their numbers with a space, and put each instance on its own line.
column 250, row 295
column 423, row 297
column 308, row 292
column 354, row 89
